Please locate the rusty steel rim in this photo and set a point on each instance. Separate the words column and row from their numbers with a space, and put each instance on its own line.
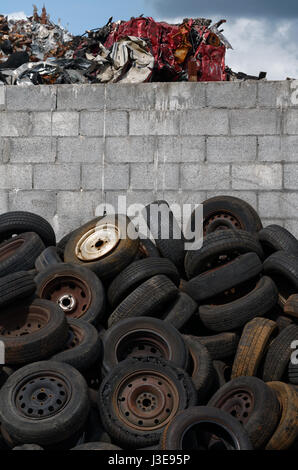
column 98, row 242
column 42, row 395
column 238, row 403
column 10, row 247
column 222, row 220
column 146, row 400
column 21, row 323
column 70, row 292
column 142, row 343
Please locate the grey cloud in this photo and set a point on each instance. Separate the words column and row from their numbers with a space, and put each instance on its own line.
column 248, row 8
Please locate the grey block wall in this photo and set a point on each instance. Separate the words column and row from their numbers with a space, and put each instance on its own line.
column 66, row 149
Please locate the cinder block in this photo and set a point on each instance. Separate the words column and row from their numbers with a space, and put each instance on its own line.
column 5, row 145
column 15, row 177
column 65, row 123
column 41, row 123
column 3, row 202
column 257, row 176
column 180, row 96
column 132, row 197
column 33, row 150
column 80, row 149
column 232, row 94
column 114, row 177
column 56, row 176
column 231, row 149
column 274, row 94
column 154, row 123
column 280, row 204
column 181, row 197
column 14, row 124
column 205, row 176
column 64, row 224
column 131, row 96
column 291, row 122
column 291, row 176
column 248, row 196
column 2, row 97
column 150, row 177
column 206, row 121
column 38, row 202
column 111, row 123
column 130, row 149
column 31, row 98
column 78, row 202
column 255, row 122
column 180, row 149
column 80, row 97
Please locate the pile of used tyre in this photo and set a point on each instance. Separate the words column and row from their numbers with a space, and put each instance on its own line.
column 122, row 343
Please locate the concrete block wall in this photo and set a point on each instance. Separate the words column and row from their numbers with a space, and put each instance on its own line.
column 66, row 149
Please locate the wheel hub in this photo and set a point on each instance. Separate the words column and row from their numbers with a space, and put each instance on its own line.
column 71, row 293
column 239, row 404
column 98, row 242
column 67, row 302
column 146, row 401
column 42, row 396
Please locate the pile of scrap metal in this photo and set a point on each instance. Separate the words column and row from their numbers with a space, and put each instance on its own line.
column 36, row 51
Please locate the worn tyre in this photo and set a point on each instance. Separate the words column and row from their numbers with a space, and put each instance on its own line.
column 201, row 370
column 137, row 273
column 223, row 278
column 253, row 345
column 291, row 306
column 279, row 354
column 16, row 223
column 276, row 238
column 32, row 407
column 282, row 267
column 181, row 311
column 221, row 346
column 77, row 291
column 31, row 332
column 170, row 246
column 153, row 382
column 15, row 287
column 226, row 212
column 236, row 314
column 287, row 430
column 254, row 405
column 83, row 348
column 19, row 253
column 178, row 434
column 48, row 257
column 147, row 300
column 144, row 336
column 104, row 245
column 227, row 245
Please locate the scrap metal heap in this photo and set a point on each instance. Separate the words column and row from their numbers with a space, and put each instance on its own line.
column 37, row 51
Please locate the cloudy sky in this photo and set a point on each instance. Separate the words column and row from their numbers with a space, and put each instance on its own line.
column 262, row 32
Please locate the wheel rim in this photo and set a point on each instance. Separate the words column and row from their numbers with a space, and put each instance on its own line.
column 221, row 220
column 23, row 322
column 142, row 343
column 146, row 400
column 70, row 292
column 42, row 395
column 98, row 242
column 9, row 248
column 239, row 403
